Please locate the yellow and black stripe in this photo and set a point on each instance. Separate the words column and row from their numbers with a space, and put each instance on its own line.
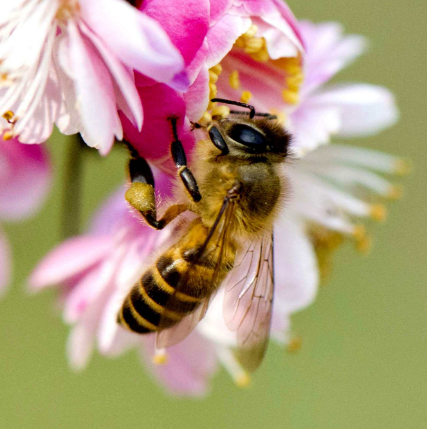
column 149, row 303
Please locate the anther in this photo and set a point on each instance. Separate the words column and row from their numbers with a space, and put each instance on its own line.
column 402, row 167
column 160, row 357
column 378, row 212
column 243, row 380
column 8, row 135
column 294, row 344
column 290, row 97
column 213, row 77
column 395, row 192
column 9, row 115
column 220, row 112
column 234, row 80
column 245, row 97
column 217, row 69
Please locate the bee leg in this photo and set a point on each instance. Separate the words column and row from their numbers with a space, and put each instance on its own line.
column 180, row 160
column 141, row 196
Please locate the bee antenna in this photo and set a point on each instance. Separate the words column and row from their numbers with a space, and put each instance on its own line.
column 236, row 103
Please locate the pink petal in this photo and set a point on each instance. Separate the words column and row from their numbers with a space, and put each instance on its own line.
column 95, row 94
column 134, row 38
column 69, row 259
column 218, row 9
column 222, row 36
column 197, row 96
column 24, row 179
column 5, row 264
column 189, row 367
column 295, row 265
column 365, row 109
column 186, row 30
column 153, row 142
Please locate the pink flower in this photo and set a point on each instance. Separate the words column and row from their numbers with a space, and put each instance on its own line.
column 24, row 182
column 333, row 186
column 71, row 63
column 95, row 271
column 214, row 32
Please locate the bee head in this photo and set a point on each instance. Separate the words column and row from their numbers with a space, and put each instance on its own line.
column 252, row 137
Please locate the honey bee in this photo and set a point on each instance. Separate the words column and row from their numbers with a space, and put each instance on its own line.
column 236, row 198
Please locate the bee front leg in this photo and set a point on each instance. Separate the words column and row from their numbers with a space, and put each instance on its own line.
column 141, row 195
column 180, row 160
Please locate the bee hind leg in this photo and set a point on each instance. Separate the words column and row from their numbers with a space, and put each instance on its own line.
column 140, row 194
column 180, row 160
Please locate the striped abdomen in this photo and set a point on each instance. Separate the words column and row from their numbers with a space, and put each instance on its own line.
column 195, row 277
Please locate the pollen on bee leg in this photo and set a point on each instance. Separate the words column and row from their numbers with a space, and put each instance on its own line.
column 246, row 96
column 160, row 357
column 378, row 212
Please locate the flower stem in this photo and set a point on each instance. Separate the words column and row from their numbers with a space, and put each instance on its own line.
column 71, row 195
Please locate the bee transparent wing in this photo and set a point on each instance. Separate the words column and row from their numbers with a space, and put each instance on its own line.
column 248, row 301
column 219, row 235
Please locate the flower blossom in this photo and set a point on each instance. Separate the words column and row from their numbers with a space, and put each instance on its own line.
column 71, row 63
column 334, row 187
column 215, row 31
column 24, row 182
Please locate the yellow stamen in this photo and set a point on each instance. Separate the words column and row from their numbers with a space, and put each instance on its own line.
column 364, row 245
column 359, row 232
column 234, row 80
column 402, row 167
column 395, row 192
column 243, row 380
column 213, row 77
column 254, row 44
column 294, row 344
column 217, row 69
column 281, row 116
column 245, row 97
column 262, row 55
column 253, row 29
column 290, row 97
column 160, row 358
column 378, row 212
column 293, row 82
column 8, row 135
column 206, row 118
column 9, row 115
column 212, row 90
column 220, row 112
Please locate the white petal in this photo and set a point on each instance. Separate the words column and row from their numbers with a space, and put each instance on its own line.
column 295, row 268
column 365, row 109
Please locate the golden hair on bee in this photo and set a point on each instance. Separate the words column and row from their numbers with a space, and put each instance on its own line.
column 235, row 192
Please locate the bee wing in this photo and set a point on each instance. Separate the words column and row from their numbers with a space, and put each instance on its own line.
column 219, row 234
column 248, row 301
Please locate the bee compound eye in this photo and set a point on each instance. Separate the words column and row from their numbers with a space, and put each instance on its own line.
column 248, row 136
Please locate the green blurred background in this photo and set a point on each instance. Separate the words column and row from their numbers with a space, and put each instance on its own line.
column 363, row 363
